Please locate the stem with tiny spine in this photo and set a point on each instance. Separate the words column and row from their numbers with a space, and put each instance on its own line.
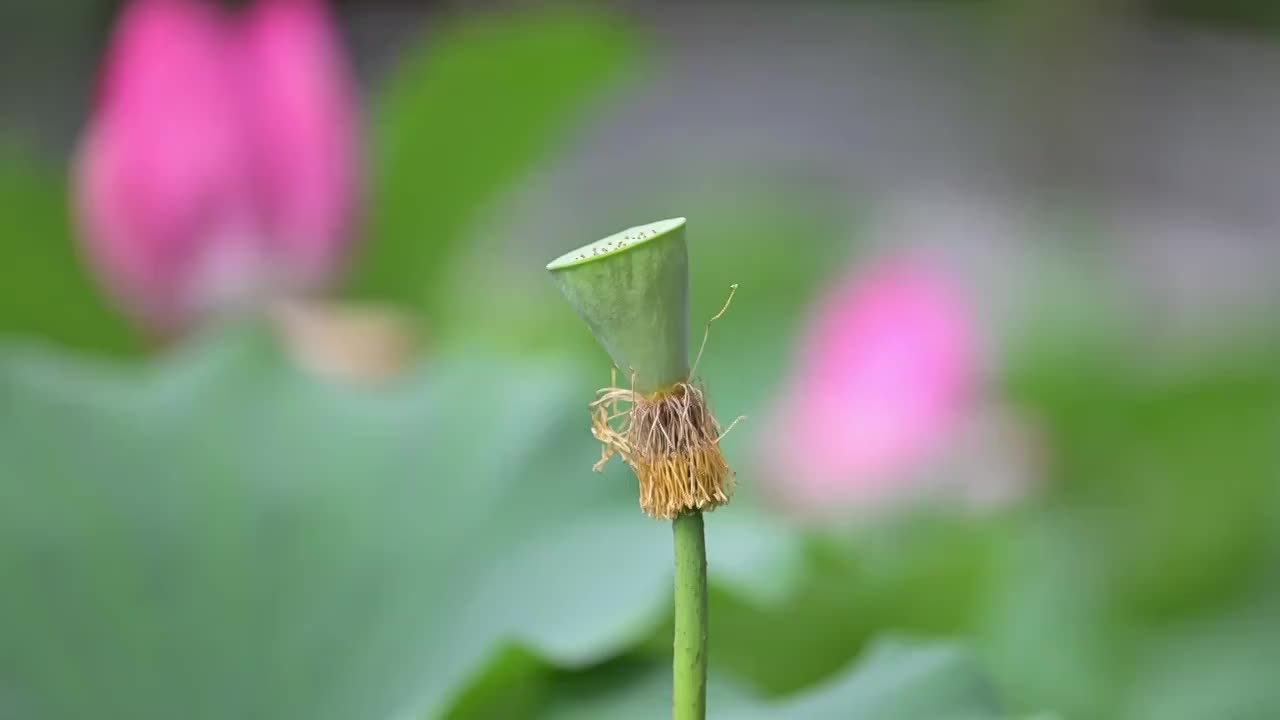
column 689, row 667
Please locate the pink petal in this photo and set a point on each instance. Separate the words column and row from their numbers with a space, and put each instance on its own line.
column 304, row 123
column 885, row 373
column 163, row 164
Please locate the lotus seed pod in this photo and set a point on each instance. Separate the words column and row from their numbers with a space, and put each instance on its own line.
column 632, row 290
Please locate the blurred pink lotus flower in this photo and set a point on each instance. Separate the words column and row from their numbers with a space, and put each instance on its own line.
column 220, row 165
column 885, row 377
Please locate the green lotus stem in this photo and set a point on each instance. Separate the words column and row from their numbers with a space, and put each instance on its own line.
column 689, row 689
column 632, row 290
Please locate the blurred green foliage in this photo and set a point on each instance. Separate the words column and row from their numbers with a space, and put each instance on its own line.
column 226, row 530
column 897, row 680
column 229, row 536
column 46, row 290
column 463, row 118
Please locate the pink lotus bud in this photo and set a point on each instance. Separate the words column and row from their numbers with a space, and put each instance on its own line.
column 885, row 374
column 163, row 171
column 303, row 123
column 219, row 164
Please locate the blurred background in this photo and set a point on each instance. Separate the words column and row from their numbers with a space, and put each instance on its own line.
column 292, row 423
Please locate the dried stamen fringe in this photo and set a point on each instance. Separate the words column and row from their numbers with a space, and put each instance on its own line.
column 672, row 442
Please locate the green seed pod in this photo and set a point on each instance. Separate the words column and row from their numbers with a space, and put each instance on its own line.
column 632, row 289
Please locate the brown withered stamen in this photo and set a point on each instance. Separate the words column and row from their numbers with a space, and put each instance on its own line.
column 671, row 440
